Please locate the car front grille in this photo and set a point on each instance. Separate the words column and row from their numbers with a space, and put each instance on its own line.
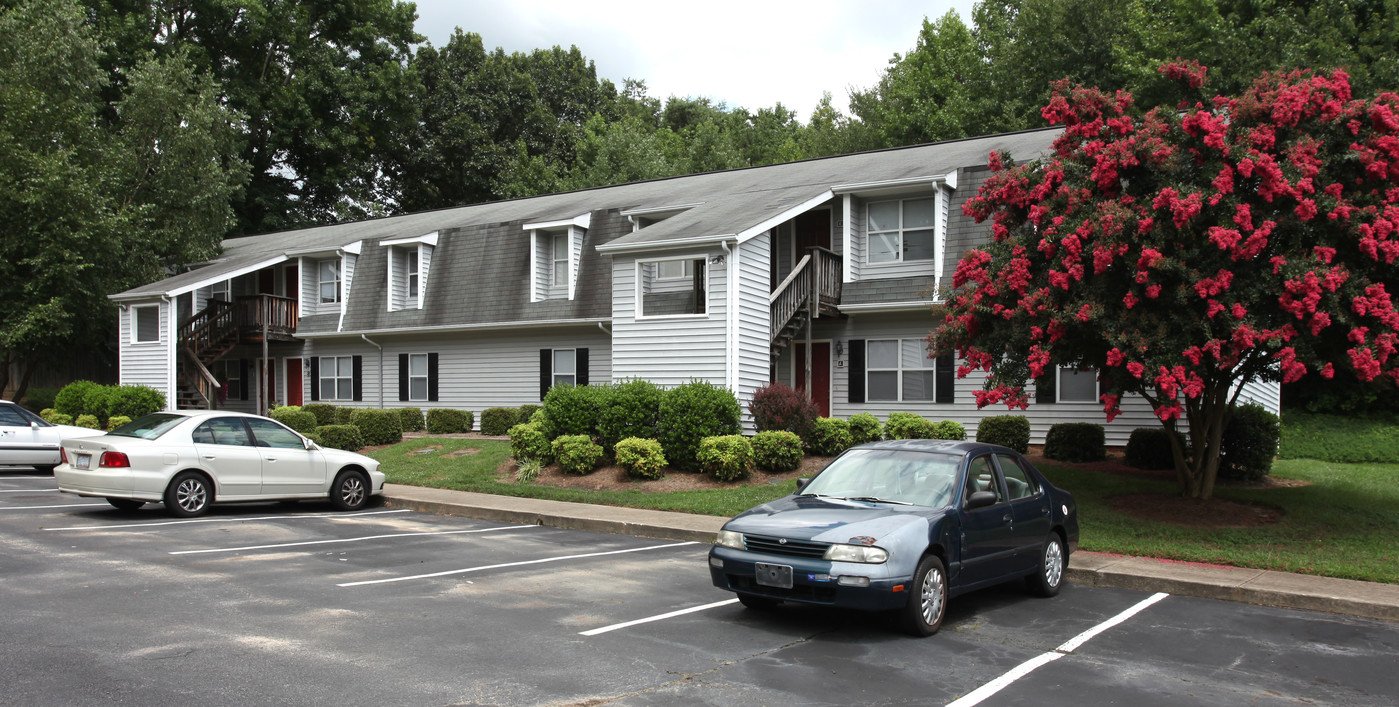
column 798, row 592
column 785, row 546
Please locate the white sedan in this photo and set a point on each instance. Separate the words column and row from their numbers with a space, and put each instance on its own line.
column 189, row 459
column 29, row 440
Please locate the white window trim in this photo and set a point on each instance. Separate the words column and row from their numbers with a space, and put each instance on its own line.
column 136, row 328
column 899, row 384
column 554, row 368
column 339, row 281
column 870, row 233
column 708, row 307
column 1059, row 386
column 426, row 378
column 542, row 236
column 337, row 378
column 410, row 274
column 554, row 260
column 223, row 287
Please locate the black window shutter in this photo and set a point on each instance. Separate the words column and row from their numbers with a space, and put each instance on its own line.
column 1044, row 387
column 945, row 376
column 315, row 378
column 546, row 371
column 358, row 380
column 580, row 362
column 432, row 377
column 857, row 371
column 243, row 378
column 403, row 376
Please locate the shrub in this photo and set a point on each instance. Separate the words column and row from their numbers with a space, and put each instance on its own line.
column 574, row 409
column 527, row 411
column 410, row 419
column 324, row 412
column 446, row 421
column 343, row 415
column 865, row 427
column 777, row 406
column 577, row 454
column 726, row 458
column 629, row 409
column 88, row 421
column 295, row 418
column 527, row 471
column 641, row 458
column 777, row 450
column 1150, row 448
column 1249, row 444
column 498, row 421
column 1006, row 430
column 1075, row 442
column 906, row 425
column 377, row 426
column 36, row 399
column 55, row 417
column 949, row 429
column 72, row 400
column 527, row 441
column 829, row 436
column 116, row 421
column 131, row 401
column 315, row 438
column 691, row 412
column 346, row 437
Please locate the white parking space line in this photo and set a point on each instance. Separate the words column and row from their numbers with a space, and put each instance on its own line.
column 327, row 516
column 981, row 693
column 37, row 490
column 67, row 505
column 511, row 564
column 24, row 476
column 658, row 617
column 353, row 540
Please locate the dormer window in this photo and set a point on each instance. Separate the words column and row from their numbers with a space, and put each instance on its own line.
column 556, row 247
column 902, row 230
column 559, row 262
column 409, row 266
column 329, row 281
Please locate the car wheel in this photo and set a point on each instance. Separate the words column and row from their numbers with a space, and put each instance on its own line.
column 927, row 601
column 188, row 495
column 1049, row 575
column 350, row 492
column 759, row 603
column 125, row 504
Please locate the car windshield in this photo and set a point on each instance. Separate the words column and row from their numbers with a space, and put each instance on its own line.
column 888, row 475
column 149, row 426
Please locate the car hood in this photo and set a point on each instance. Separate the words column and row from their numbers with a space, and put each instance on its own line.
column 828, row 520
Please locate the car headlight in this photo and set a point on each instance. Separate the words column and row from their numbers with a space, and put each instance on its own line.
column 856, row 553
column 729, row 538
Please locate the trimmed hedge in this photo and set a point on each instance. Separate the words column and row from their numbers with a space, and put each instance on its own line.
column 446, row 421
column 295, row 418
column 343, row 415
column 577, row 454
column 829, row 436
column 777, row 450
column 727, row 457
column 1075, row 442
column 574, row 409
column 629, row 409
column 72, row 400
column 377, row 426
column 691, row 412
column 346, row 437
column 527, row 441
column 1249, row 444
column 116, row 421
column 907, row 425
column 949, row 429
column 410, row 419
column 324, row 412
column 527, row 411
column 864, row 428
column 1006, row 430
column 778, row 406
column 641, row 458
column 88, row 421
column 498, row 421
column 54, row 417
column 103, row 401
column 1150, row 448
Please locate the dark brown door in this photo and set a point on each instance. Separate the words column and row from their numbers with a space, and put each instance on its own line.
column 294, row 381
column 813, row 228
column 292, row 288
column 266, row 282
column 820, row 373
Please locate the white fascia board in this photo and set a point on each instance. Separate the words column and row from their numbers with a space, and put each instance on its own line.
column 890, row 185
column 219, row 277
column 772, row 221
column 353, row 248
column 449, row 328
column 672, row 244
column 878, row 307
column 581, row 221
column 676, row 208
column 428, row 239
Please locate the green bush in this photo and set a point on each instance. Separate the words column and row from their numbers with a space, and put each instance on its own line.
column 295, row 418
column 88, row 421
column 527, row 411
column 629, row 409
column 777, row 450
column 1006, row 430
column 778, row 406
column 1249, row 444
column 346, row 437
column 446, row 421
column 907, row 425
column 131, row 401
column 344, row 416
column 829, row 436
column 498, row 421
column 411, row 419
column 116, row 421
column 574, row 409
column 691, row 412
column 527, row 441
column 324, row 412
column 72, row 400
column 36, row 399
column 1075, row 442
column 1150, row 448
column 377, row 426
column 949, row 429
column 1339, row 439
column 726, row 458
column 641, row 458
column 315, row 438
column 55, row 417
column 577, row 454
column 864, row 428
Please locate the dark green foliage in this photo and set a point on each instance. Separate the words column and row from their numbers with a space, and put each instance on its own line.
column 1006, row 430
column 691, row 412
column 36, row 399
column 577, row 454
column 446, row 421
column 498, row 421
column 907, row 425
column 727, row 457
column 574, row 409
column 1150, row 448
column 949, row 429
column 777, row 450
column 1339, row 438
column 73, row 399
column 295, row 418
column 377, row 426
column 865, row 427
column 1249, row 444
column 527, row 412
column 411, row 419
column 527, row 441
column 346, row 437
column 629, row 409
column 777, row 406
column 641, row 458
column 343, row 415
column 315, row 438
column 829, row 436
column 1075, row 442
column 104, row 401
column 324, row 412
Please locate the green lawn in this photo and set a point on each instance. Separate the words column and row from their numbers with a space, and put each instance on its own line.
column 1345, row 524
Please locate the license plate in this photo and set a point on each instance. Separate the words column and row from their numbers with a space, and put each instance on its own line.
column 779, row 576
column 82, row 461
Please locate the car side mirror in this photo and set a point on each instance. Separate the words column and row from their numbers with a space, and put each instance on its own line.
column 801, row 483
column 981, row 499
column 310, row 446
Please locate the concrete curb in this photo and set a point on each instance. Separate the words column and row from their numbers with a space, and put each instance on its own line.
column 1262, row 587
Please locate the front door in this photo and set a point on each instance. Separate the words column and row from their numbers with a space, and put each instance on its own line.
column 226, row 451
column 813, row 228
column 291, row 282
column 294, row 395
column 266, row 281
column 988, row 548
column 820, row 373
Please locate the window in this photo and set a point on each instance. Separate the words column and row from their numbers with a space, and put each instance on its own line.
column 411, row 268
column 329, row 281
column 1018, row 483
column 902, row 230
column 230, row 375
column 145, row 324
column 565, row 367
column 417, row 377
column 222, row 430
column 1077, row 385
column 562, row 367
column 900, row 370
column 221, row 291
column 337, row 378
column 559, row 260
column 982, row 477
column 270, row 434
column 675, row 269
column 671, row 287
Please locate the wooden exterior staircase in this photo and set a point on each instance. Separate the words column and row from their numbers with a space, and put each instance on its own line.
column 209, row 335
column 810, row 291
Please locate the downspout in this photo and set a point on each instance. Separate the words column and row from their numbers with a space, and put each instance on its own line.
column 731, row 326
column 604, row 329
column 381, row 368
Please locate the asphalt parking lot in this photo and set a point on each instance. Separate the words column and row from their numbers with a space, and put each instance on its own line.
column 299, row 604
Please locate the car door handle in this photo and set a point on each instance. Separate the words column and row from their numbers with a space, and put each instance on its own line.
column 1006, row 517
column 209, row 456
column 272, row 460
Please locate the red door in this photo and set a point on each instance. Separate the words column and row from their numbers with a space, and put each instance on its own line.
column 294, row 381
column 820, row 373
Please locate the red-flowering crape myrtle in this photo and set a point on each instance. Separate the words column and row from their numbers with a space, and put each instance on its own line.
column 1181, row 251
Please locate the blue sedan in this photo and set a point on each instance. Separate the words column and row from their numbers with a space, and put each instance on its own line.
column 901, row 526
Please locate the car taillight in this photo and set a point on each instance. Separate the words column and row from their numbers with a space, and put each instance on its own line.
column 114, row 460
column 62, row 456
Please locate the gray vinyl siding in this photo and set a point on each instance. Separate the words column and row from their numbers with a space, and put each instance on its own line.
column 398, row 278
column 1257, row 392
column 347, row 278
column 668, row 351
column 424, row 269
column 146, row 364
column 575, row 255
column 754, row 365
column 543, row 259
column 858, row 241
column 782, row 251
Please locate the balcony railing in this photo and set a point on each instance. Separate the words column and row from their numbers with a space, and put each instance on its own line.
column 812, row 285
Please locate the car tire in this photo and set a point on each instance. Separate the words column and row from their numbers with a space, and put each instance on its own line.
column 350, row 492
column 125, row 504
column 927, row 600
column 1048, row 576
column 188, row 495
column 758, row 603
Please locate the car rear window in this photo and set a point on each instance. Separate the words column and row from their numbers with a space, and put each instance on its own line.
column 149, row 426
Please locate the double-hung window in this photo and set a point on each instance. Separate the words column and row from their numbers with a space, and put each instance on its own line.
column 674, row 269
column 337, row 378
column 899, row 370
column 559, row 260
column 565, row 367
column 902, row 230
column 220, row 291
column 230, row 375
column 329, row 281
column 1077, row 385
column 145, row 324
column 417, row 377
column 410, row 267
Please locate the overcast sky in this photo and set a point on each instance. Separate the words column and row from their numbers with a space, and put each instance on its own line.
column 751, row 54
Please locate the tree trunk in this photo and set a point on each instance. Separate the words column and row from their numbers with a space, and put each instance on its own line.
column 1205, row 418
